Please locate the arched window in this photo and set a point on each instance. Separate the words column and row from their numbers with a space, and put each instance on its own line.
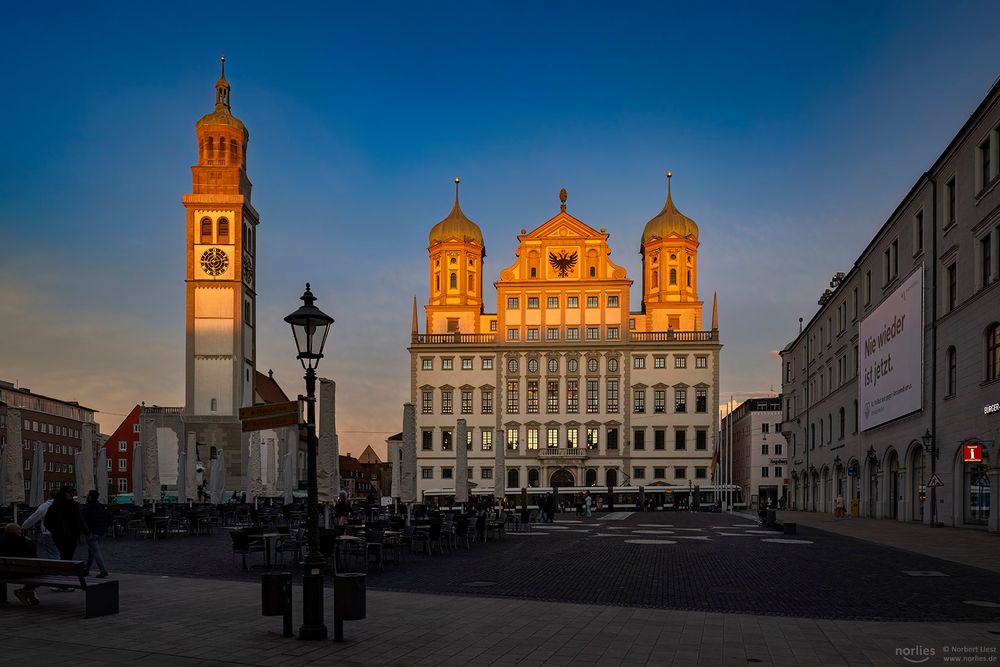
column 223, row 230
column 656, row 279
column 611, row 478
column 206, row 230
column 211, row 150
column 593, row 271
column 454, row 280
column 437, row 283
column 673, row 276
column 689, row 279
column 533, row 477
column 513, row 479
column 222, row 150
column 215, row 405
column 952, row 377
column 591, row 477
column 232, row 151
column 993, row 352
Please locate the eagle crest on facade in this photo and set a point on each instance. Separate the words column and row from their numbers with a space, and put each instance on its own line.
column 563, row 263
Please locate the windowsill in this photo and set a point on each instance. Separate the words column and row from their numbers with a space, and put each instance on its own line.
column 987, row 188
column 951, row 226
column 950, row 397
column 986, row 383
column 918, row 253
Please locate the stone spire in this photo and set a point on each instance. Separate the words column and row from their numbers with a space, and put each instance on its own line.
column 715, row 311
column 414, row 327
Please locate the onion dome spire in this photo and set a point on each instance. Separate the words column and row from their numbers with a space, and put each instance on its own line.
column 669, row 220
column 456, row 226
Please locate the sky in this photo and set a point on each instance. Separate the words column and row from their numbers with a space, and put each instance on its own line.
column 792, row 132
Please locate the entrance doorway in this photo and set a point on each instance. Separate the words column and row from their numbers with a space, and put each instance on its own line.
column 919, row 491
column 562, row 477
column 977, row 492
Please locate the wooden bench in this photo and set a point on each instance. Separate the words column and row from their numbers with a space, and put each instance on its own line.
column 101, row 596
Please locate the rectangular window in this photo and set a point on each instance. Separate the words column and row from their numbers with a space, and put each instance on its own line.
column 659, row 473
column 984, row 164
column 700, row 473
column 612, row 396
column 638, row 362
column 777, row 449
column 680, row 439
column 486, row 399
column 512, row 302
column 777, row 471
column 553, row 302
column 659, row 439
column 122, row 484
column 552, row 396
column 572, row 396
column 701, row 400
column 613, row 333
column 427, row 402
column 533, row 333
column 951, row 287
column 447, row 364
column 592, row 397
column 572, row 333
column 532, row 396
column 868, row 288
column 639, row 439
column 122, row 446
column 680, row 362
column 552, row 333
column 552, row 438
column 466, row 363
column 136, row 428
column 512, row 438
column 122, row 464
column 659, row 362
column 486, row 472
column 659, row 400
column 426, row 440
column 446, row 402
column 950, row 199
column 486, row 439
column 592, row 333
column 986, row 260
column 445, row 441
column 701, row 440
column 446, row 473
column 765, row 471
column 763, row 449
column 680, row 472
column 487, row 363
column 532, row 302
column 513, row 333
column 592, row 435
column 612, row 301
column 108, row 462
column 631, row 323
column 765, row 428
column 918, row 232
column 532, row 437
column 612, row 438
column 639, row 472
column 572, row 302
column 466, row 402
column 680, row 400
column 572, row 437
column 427, row 473
column 427, row 364
column 701, row 362
column 493, row 325
column 639, row 401
column 513, row 397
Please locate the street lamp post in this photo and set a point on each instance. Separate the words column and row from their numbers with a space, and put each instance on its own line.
column 930, row 446
column 310, row 326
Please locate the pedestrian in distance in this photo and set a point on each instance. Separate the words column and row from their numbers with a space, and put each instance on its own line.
column 65, row 522
column 13, row 544
column 97, row 518
column 586, row 505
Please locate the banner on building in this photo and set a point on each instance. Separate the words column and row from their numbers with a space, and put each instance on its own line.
column 890, row 377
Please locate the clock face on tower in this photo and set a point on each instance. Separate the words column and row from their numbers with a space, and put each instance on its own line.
column 214, row 261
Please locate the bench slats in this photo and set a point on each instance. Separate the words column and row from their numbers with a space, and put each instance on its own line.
column 41, row 566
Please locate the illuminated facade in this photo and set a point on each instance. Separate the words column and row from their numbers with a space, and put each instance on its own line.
column 579, row 388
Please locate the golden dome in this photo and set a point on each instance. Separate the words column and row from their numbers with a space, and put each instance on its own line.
column 222, row 115
column 669, row 221
column 456, row 226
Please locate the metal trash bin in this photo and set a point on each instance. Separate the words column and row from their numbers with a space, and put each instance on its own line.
column 276, row 597
column 349, row 591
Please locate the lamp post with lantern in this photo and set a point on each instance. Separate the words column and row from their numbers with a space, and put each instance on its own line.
column 310, row 327
column 930, row 446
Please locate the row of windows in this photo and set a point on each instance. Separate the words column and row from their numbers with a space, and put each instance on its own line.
column 572, row 333
column 778, row 449
column 765, row 471
column 123, row 444
column 568, row 437
column 552, row 365
column 590, row 475
column 533, row 302
column 52, row 448
column 52, row 466
column 660, row 400
column 448, row 363
column 991, row 361
column 52, row 429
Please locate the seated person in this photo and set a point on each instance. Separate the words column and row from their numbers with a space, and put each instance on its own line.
column 15, row 545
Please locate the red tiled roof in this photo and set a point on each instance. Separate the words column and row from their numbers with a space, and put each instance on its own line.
column 268, row 391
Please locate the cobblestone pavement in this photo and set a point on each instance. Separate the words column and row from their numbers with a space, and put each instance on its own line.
column 683, row 561
column 188, row 622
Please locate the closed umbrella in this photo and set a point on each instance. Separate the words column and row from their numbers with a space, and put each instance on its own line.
column 182, row 459
column 137, row 475
column 287, row 482
column 217, row 484
column 102, row 473
column 37, row 477
column 81, row 483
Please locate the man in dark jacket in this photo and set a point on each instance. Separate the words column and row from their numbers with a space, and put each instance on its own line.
column 65, row 522
column 97, row 518
column 14, row 545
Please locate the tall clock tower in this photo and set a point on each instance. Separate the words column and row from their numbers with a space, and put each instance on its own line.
column 221, row 301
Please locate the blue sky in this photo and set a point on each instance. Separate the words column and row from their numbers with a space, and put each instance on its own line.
column 792, row 133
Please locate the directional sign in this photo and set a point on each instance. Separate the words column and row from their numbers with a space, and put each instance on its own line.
column 275, row 415
column 934, row 481
column 266, row 423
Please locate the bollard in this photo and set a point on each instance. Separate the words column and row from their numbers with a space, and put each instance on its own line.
column 276, row 598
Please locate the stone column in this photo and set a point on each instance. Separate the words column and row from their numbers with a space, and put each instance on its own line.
column 13, row 480
column 87, row 458
column 253, row 486
column 408, row 474
column 461, row 463
column 150, row 461
column 500, row 467
column 328, row 456
column 394, row 453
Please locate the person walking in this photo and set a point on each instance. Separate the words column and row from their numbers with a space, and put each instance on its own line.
column 341, row 513
column 586, row 505
column 38, row 517
column 65, row 522
column 97, row 518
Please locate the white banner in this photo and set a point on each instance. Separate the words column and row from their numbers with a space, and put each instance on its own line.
column 890, row 380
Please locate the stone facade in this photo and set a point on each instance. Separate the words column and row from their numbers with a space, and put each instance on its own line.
column 760, row 454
